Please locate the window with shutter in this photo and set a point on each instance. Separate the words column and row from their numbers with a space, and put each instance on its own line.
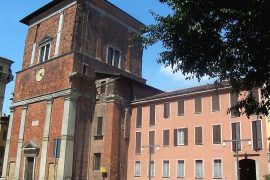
column 137, row 169
column 217, row 169
column 166, row 111
column 198, row 169
column 152, row 118
column 198, row 105
column 198, row 135
column 166, row 169
column 256, row 135
column 180, row 136
column 181, row 107
column 138, row 142
column 166, row 137
column 139, row 117
column 234, row 100
column 151, row 140
column 236, row 136
column 215, row 102
column 216, row 134
column 152, row 169
column 180, row 169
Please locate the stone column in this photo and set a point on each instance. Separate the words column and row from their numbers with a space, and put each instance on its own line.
column 5, row 163
column 65, row 162
column 45, row 142
column 20, row 144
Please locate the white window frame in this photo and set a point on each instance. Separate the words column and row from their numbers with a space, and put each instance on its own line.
column 241, row 147
column 180, row 144
column 195, row 168
column 169, row 104
column 154, row 172
column 163, row 169
column 177, row 168
column 150, row 115
column 213, row 166
column 44, row 44
column 195, row 135
column 178, row 107
column 136, row 144
column 220, row 134
column 163, row 137
column 135, row 175
column 34, row 167
column 120, row 55
column 219, row 101
column 252, row 133
column 201, row 105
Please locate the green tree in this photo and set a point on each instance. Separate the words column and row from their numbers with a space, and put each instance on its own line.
column 227, row 40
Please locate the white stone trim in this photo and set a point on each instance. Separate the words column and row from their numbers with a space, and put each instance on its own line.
column 58, row 37
column 20, row 144
column 51, row 15
column 5, row 163
column 49, row 96
column 33, row 54
column 45, row 142
column 65, row 162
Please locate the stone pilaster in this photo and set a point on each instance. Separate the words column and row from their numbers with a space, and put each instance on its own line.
column 65, row 161
column 5, row 163
column 20, row 144
column 45, row 142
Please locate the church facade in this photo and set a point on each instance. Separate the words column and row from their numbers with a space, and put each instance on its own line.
column 70, row 112
column 82, row 110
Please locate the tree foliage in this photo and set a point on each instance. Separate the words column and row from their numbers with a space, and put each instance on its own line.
column 227, row 40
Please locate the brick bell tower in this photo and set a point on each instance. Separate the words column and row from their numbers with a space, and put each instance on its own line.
column 77, row 79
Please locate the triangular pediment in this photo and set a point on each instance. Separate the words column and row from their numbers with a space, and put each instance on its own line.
column 31, row 145
column 45, row 39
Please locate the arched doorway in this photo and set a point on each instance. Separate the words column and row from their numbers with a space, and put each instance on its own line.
column 247, row 169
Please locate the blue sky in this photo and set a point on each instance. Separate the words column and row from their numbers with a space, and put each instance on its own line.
column 13, row 34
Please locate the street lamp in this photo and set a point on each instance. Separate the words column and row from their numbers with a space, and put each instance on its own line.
column 236, row 151
column 150, row 149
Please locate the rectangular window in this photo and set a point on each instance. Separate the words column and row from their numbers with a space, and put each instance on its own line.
column 29, row 168
column 257, row 135
column 198, row 105
column 217, row 134
column 236, row 136
column 255, row 93
column 166, row 169
column 166, row 111
column 166, row 137
column 181, row 107
column 180, row 136
column 152, row 117
column 198, row 135
column 215, row 102
column 199, row 169
column 180, row 168
column 113, row 57
column 151, row 140
column 217, row 169
column 137, row 169
column 2, row 151
column 97, row 160
column 102, row 87
column 152, row 169
column 100, row 126
column 139, row 117
column 44, row 52
column 138, row 142
column 234, row 100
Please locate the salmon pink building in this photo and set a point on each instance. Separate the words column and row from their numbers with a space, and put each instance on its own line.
column 189, row 135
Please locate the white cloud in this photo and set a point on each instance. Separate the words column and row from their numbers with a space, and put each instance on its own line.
column 179, row 77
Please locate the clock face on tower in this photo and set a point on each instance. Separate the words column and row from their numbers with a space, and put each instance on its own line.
column 40, row 74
